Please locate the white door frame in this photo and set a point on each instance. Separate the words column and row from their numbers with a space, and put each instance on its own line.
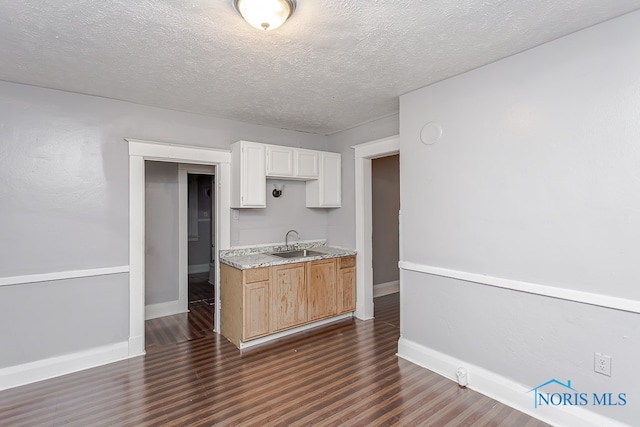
column 364, row 153
column 183, row 234
column 139, row 151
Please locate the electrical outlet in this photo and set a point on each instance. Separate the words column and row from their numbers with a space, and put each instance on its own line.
column 602, row 364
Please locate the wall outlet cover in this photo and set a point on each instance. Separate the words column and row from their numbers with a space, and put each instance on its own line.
column 602, row 364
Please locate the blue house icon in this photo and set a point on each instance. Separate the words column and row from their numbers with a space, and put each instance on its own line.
column 552, row 381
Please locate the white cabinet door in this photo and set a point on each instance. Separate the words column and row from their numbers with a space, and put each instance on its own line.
column 248, row 175
column 280, row 161
column 330, row 180
column 306, row 164
column 326, row 191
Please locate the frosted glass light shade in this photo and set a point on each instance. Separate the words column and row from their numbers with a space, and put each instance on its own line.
column 265, row 14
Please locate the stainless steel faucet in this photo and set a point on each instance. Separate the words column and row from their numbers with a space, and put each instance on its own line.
column 286, row 237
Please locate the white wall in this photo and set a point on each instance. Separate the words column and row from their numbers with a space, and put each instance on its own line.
column 161, row 232
column 385, row 205
column 342, row 222
column 42, row 320
column 283, row 214
column 535, row 179
column 64, row 190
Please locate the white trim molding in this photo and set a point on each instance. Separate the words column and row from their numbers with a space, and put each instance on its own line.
column 387, row 288
column 139, row 152
column 137, row 249
column 28, row 373
column 532, row 288
column 499, row 388
column 62, row 275
column 364, row 153
column 153, row 311
column 379, row 148
column 177, row 153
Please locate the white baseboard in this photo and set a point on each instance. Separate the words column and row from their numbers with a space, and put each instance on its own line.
column 137, row 346
column 198, row 268
column 153, row 311
column 28, row 373
column 500, row 388
column 360, row 312
column 388, row 288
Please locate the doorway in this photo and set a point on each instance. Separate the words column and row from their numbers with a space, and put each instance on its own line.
column 364, row 153
column 179, row 301
column 139, row 152
column 201, row 240
column 385, row 203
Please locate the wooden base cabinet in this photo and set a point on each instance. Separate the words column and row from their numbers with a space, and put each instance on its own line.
column 244, row 296
column 288, row 296
column 256, row 310
column 262, row 301
column 347, row 284
column 322, row 289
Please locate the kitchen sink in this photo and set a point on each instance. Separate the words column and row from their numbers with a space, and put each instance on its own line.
column 302, row 253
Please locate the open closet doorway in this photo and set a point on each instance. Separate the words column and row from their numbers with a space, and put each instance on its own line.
column 180, row 240
column 201, row 240
column 385, row 208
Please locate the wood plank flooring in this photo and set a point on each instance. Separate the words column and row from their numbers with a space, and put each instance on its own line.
column 200, row 290
column 343, row 374
column 185, row 326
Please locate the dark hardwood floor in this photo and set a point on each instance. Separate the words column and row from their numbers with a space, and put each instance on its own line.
column 200, row 290
column 186, row 326
column 343, row 374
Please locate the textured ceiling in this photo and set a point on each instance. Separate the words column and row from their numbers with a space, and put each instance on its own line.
column 335, row 64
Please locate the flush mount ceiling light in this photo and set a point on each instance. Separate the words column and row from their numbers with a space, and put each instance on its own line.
column 265, row 14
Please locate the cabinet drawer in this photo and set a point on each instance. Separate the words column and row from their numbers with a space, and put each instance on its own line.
column 347, row 261
column 256, row 275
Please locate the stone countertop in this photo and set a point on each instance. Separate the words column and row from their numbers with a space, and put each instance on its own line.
column 246, row 258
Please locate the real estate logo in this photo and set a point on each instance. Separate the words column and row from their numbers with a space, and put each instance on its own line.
column 557, row 393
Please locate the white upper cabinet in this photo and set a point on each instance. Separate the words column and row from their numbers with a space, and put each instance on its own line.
column 248, row 175
column 306, row 163
column 326, row 191
column 253, row 162
column 292, row 163
column 280, row 161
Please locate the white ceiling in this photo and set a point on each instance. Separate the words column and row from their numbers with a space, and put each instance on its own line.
column 334, row 65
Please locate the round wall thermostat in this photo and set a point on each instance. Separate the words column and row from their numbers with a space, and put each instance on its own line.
column 430, row 134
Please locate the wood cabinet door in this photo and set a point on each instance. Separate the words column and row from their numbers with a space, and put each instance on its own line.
column 322, row 289
column 256, row 310
column 347, row 290
column 231, row 303
column 288, row 296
